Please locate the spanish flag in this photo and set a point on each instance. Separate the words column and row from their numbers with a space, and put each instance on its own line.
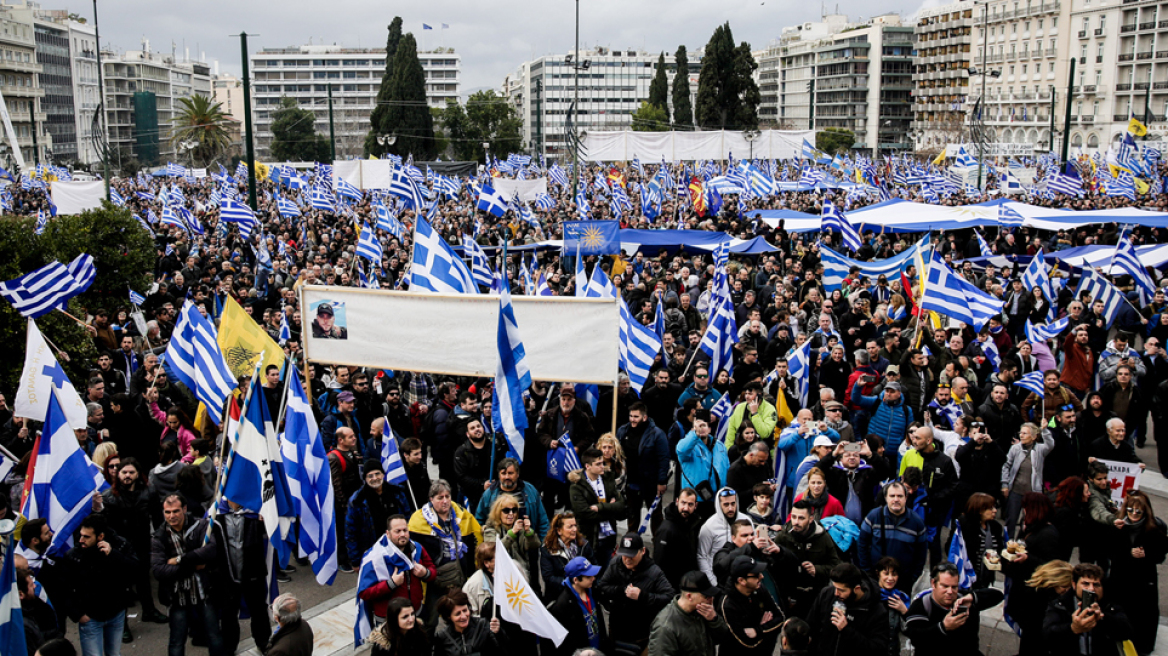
column 1137, row 128
column 242, row 340
column 616, row 177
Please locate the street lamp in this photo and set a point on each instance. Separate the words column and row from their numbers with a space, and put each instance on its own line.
column 386, row 139
column 189, row 148
column 487, row 151
column 751, row 136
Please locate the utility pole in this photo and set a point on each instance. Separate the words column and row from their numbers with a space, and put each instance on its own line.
column 1147, row 106
column 1067, row 120
column 105, row 169
column 1053, row 96
column 332, row 130
column 248, row 137
column 985, row 11
column 811, row 105
column 576, row 108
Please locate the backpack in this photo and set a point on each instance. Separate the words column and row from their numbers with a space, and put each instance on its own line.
column 675, row 321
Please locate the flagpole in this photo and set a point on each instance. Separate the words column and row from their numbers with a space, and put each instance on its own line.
column 231, row 454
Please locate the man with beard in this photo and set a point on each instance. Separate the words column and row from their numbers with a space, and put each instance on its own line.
column 97, row 575
column 179, row 559
column 407, row 584
column 750, row 612
column 127, row 510
column 370, row 507
column 848, row 616
column 675, row 545
column 811, row 546
column 718, row 530
column 647, row 457
column 417, row 475
column 472, row 460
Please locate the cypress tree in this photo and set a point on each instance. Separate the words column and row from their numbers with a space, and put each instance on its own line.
column 408, row 115
column 659, row 88
column 377, row 119
column 711, row 109
column 682, row 107
column 746, row 94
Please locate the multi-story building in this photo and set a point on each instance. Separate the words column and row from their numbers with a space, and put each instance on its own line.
column 20, row 85
column 785, row 70
column 305, row 74
column 143, row 90
column 941, row 77
column 1023, row 47
column 611, row 88
column 86, row 91
column 1131, row 71
column 227, row 90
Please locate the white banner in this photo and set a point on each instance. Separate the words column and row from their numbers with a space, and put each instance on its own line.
column 527, row 189
column 1124, row 476
column 364, row 173
column 650, row 147
column 76, row 197
column 566, row 339
column 994, row 149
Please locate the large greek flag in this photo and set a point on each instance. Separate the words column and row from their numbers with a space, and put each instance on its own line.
column 837, row 265
column 49, row 287
column 1100, row 290
column 951, row 295
column 197, row 362
column 436, row 267
column 638, row 347
column 512, row 376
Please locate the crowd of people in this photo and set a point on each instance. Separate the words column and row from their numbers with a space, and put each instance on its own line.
column 817, row 525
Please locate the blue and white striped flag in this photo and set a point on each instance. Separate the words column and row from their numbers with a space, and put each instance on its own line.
column 1033, row 382
column 136, row 298
column 1046, row 331
column 799, row 367
column 1009, row 217
column 953, row 296
column 285, row 329
column 391, row 462
column 435, row 266
column 380, row 563
column 832, row 217
column 63, row 480
column 322, row 199
column 49, row 287
column 492, row 201
column 989, row 349
column 12, row 640
column 197, row 362
column 388, row 222
column 512, row 376
column 309, row 482
column 368, row 246
column 600, row 286
column 1099, row 289
column 959, row 556
column 480, row 264
column 1069, row 183
column 1035, row 276
column 985, row 249
column 638, row 347
column 233, row 211
column 723, row 407
column 648, row 515
column 1127, row 260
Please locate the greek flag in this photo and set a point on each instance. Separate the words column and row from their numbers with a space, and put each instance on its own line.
column 448, row 187
column 403, row 186
column 287, row 208
column 63, row 479
column 1008, row 216
column 116, row 198
column 388, row 222
column 581, row 275
column 1035, row 276
column 1069, row 183
column 381, row 562
column 1100, row 289
column 659, row 319
column 1046, row 331
column 435, row 266
column 582, row 206
column 512, row 376
column 254, row 476
column 799, row 366
column 197, row 362
column 964, row 158
column 833, row 218
column 541, row 286
column 49, row 287
column 322, row 199
column 544, row 202
column 1127, row 260
column 723, row 407
column 42, row 222
column 959, row 556
column 170, row 217
column 346, row 189
column 1009, row 184
column 638, row 347
column 982, row 245
column 990, row 350
column 563, row 459
column 285, row 329
column 368, row 245
column 309, row 482
column 480, row 264
column 837, row 265
column 12, row 640
column 233, row 211
column 395, row 471
column 1032, row 382
column 648, row 514
column 721, row 334
column 950, row 295
column 557, row 175
column 600, row 286
column 1123, row 186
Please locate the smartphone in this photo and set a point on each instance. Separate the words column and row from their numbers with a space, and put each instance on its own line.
column 853, row 447
column 961, row 609
column 763, row 531
column 1089, row 599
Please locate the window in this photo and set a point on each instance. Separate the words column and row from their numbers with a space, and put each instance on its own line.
column 1086, row 23
column 1102, row 21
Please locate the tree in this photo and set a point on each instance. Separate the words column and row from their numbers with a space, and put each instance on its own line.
column 201, row 120
column 834, row 140
column 650, row 118
column 294, row 137
column 659, row 88
column 377, row 118
column 487, row 118
column 123, row 255
column 727, row 94
column 408, row 116
column 682, row 107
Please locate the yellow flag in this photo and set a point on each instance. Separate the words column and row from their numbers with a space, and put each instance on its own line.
column 1137, row 128
column 242, row 340
column 940, row 158
column 1141, row 186
column 784, row 412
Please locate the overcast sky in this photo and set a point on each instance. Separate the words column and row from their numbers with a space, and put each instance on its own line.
column 493, row 37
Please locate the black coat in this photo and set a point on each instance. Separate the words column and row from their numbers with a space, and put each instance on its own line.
column 981, row 469
column 569, row 614
column 1002, row 424
column 675, row 544
column 1134, row 581
column 743, row 612
column 162, row 550
column 631, row 618
column 866, row 633
column 476, row 639
column 923, row 625
column 98, row 583
column 1103, row 640
column 292, row 640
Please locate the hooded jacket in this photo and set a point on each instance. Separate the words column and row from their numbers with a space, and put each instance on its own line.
column 702, row 463
column 675, row 543
column 866, row 632
column 715, row 533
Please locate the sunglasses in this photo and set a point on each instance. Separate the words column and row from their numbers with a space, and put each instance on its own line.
column 727, row 493
column 1064, row 408
column 510, row 511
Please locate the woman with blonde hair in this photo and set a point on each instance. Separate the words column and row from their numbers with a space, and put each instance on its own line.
column 102, row 454
column 1054, row 575
column 614, row 460
column 519, row 539
column 897, row 310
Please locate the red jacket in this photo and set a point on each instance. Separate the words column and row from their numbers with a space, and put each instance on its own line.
column 412, row 588
column 1079, row 366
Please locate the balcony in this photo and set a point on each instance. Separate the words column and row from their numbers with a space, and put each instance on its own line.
column 1127, row 56
column 1087, row 118
column 1123, row 29
column 1050, row 52
column 1144, row 55
column 1162, row 54
column 1164, row 23
column 1141, row 86
column 1118, row 118
column 1089, row 88
column 1123, row 87
column 1160, row 85
column 1098, row 59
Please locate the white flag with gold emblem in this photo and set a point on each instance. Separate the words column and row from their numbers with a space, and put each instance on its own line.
column 517, row 603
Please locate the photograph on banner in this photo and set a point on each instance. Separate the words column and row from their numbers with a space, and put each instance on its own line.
column 1124, row 476
column 592, row 237
column 330, row 320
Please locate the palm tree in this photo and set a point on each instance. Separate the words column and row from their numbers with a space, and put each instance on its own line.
column 201, row 122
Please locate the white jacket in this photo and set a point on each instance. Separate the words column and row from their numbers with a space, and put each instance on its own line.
column 714, row 535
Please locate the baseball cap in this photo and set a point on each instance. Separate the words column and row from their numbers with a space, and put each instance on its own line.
column 697, row 581
column 822, row 440
column 893, row 386
column 743, row 565
column 346, row 397
column 568, row 391
column 832, row 404
column 630, row 545
column 892, row 369
column 579, row 566
column 324, row 308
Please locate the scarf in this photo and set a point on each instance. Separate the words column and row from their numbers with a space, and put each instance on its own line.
column 188, row 591
column 570, row 550
column 854, row 509
column 589, row 612
column 453, row 548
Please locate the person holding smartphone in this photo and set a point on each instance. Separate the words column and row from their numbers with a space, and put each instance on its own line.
column 1081, row 621
column 946, row 621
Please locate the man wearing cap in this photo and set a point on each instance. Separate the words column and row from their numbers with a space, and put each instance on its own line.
column 796, row 441
column 751, row 614
column 634, row 590
column 578, row 611
column 323, row 326
column 344, row 417
column 689, row 625
column 568, row 418
column 370, row 507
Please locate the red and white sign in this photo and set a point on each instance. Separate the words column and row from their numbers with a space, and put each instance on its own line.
column 1124, row 476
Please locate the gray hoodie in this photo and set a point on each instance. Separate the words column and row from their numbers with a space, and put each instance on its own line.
column 714, row 534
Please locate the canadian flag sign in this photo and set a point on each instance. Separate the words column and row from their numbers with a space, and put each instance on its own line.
column 1124, row 476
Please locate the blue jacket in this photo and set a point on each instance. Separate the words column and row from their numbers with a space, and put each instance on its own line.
column 707, row 399
column 328, row 431
column 903, row 537
column 653, row 457
column 531, row 501
column 699, row 464
column 796, row 447
column 360, row 533
column 889, row 420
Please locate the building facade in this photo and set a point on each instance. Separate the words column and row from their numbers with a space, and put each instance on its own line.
column 785, row 71
column 611, row 89
column 941, row 75
column 20, row 84
column 86, row 91
column 305, row 74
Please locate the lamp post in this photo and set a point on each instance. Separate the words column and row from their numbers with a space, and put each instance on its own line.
column 751, row 136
